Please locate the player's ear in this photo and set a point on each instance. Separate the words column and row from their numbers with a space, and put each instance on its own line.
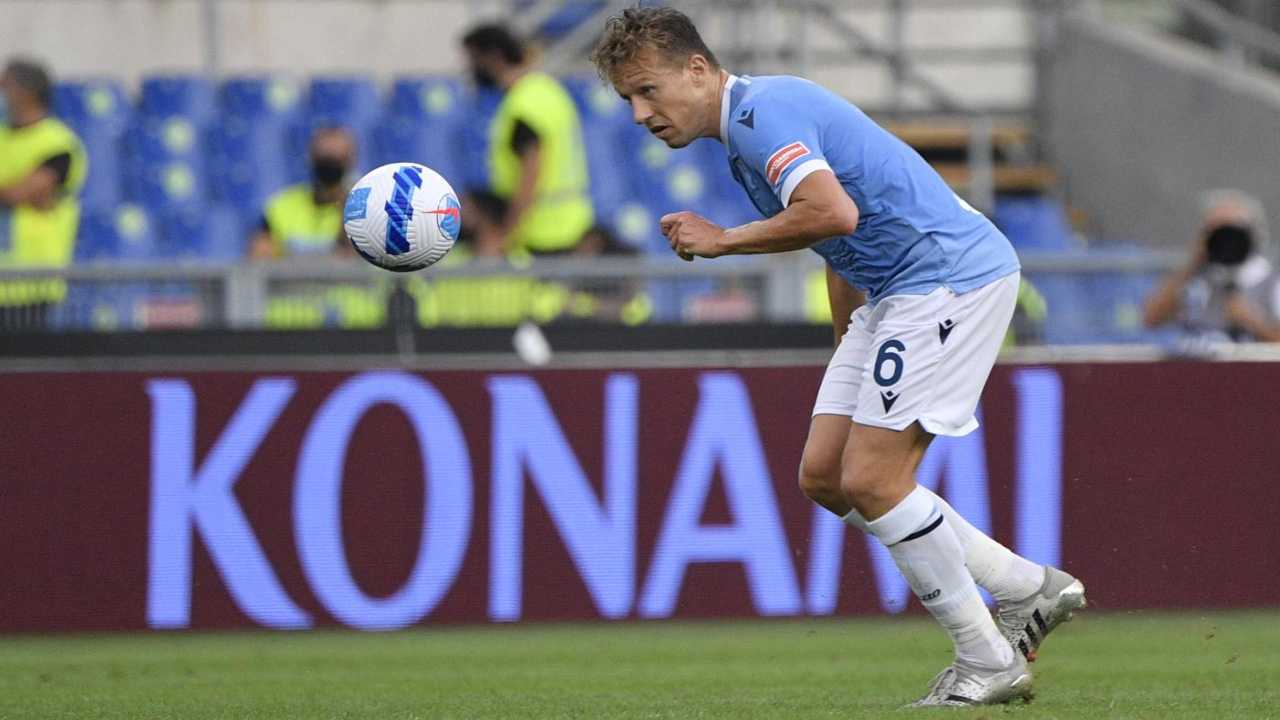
column 698, row 67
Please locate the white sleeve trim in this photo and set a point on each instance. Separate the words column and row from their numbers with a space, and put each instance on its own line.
column 804, row 170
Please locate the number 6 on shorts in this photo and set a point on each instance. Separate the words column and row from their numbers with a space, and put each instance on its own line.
column 887, row 355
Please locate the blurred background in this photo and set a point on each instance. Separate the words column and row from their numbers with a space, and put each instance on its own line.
column 1095, row 134
column 214, row 415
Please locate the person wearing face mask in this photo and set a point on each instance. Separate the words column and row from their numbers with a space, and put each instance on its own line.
column 42, row 168
column 1228, row 290
column 537, row 162
column 306, row 219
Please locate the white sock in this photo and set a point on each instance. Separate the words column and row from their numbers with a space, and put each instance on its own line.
column 1000, row 571
column 855, row 519
column 927, row 551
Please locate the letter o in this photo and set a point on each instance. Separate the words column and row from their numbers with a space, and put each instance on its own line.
column 317, row 500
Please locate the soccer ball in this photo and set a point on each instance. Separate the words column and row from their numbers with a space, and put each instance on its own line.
column 402, row 217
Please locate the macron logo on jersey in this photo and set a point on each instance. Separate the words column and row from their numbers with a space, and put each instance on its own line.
column 783, row 159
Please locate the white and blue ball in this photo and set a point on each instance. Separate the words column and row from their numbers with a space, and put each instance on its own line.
column 402, row 217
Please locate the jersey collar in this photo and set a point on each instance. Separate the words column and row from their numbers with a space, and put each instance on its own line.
column 725, row 101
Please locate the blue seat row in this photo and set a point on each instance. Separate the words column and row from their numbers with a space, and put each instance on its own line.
column 189, row 145
column 132, row 233
column 192, row 146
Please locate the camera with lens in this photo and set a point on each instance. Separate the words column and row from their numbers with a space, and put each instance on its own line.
column 1229, row 245
column 1226, row 249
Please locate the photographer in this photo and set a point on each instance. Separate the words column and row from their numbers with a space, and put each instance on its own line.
column 1228, row 291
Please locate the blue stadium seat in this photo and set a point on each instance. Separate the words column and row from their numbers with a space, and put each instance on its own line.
column 350, row 102
column 483, row 106
column 1033, row 223
column 260, row 97
column 168, row 157
column 99, row 101
column 191, row 96
column 428, row 96
column 432, row 142
column 695, row 178
column 425, row 124
column 123, row 234
column 248, row 161
column 570, row 15
column 214, row 234
column 633, row 223
column 608, row 132
column 104, row 185
column 344, row 100
column 252, row 151
column 1095, row 307
column 95, row 239
column 99, row 113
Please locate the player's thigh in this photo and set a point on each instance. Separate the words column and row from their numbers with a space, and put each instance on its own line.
column 824, row 450
column 880, row 465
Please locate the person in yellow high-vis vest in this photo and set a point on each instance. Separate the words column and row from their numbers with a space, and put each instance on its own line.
column 305, row 220
column 42, row 168
column 537, row 161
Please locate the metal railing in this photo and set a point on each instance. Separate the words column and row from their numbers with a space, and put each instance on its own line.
column 770, row 36
column 1240, row 37
column 1092, row 297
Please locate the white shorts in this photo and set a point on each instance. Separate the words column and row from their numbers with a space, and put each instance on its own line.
column 919, row 358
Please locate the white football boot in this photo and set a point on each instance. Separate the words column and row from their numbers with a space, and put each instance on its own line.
column 962, row 685
column 1026, row 623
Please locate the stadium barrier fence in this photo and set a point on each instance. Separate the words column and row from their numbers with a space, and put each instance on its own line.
column 386, row 499
column 1092, row 296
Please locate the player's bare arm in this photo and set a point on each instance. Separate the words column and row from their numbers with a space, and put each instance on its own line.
column 819, row 209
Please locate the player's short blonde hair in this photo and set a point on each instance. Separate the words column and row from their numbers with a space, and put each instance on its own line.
column 667, row 30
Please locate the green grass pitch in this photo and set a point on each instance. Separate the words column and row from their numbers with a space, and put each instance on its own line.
column 1143, row 665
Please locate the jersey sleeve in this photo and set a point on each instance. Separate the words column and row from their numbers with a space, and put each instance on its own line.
column 781, row 142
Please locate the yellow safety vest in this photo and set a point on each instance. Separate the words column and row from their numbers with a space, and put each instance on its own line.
column 33, row 237
column 348, row 306
column 299, row 225
column 504, row 300
column 561, row 211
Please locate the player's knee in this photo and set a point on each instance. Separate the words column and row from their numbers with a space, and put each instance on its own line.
column 864, row 488
column 819, row 477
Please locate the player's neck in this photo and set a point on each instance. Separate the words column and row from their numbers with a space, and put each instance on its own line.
column 718, row 106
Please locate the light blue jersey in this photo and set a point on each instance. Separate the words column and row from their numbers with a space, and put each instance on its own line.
column 914, row 234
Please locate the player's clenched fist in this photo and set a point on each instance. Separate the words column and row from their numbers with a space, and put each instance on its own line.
column 692, row 235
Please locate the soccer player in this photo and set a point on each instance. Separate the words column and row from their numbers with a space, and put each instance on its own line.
column 940, row 283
